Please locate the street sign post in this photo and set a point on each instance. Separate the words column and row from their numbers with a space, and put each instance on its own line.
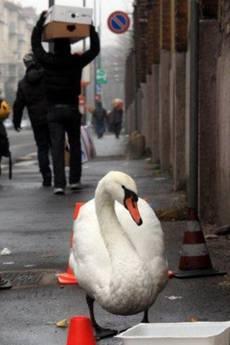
column 98, row 89
column 118, row 22
column 101, row 77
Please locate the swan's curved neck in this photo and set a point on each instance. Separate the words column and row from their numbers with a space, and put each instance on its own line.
column 110, row 227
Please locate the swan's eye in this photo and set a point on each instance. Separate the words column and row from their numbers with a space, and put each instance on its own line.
column 129, row 194
column 130, row 203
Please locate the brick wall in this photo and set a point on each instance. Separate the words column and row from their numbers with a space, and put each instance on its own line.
column 165, row 17
column 181, row 25
column 209, row 8
column 224, row 16
column 140, row 38
column 153, row 35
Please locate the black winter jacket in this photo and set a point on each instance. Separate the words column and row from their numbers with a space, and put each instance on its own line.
column 30, row 94
column 63, row 72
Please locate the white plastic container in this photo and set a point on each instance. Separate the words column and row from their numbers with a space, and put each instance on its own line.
column 180, row 333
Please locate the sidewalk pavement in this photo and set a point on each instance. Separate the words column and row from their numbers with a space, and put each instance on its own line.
column 36, row 225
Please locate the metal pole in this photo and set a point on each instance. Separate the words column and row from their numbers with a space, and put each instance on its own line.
column 51, row 45
column 95, row 60
column 193, row 154
column 84, row 87
column 84, row 5
column 99, row 32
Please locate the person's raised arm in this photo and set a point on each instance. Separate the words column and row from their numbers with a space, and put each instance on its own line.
column 36, row 38
column 94, row 49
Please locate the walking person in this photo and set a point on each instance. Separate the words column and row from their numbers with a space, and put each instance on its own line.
column 30, row 94
column 63, row 72
column 116, row 117
column 4, row 140
column 99, row 119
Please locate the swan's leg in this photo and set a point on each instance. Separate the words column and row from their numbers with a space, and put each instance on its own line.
column 146, row 316
column 144, row 320
column 100, row 332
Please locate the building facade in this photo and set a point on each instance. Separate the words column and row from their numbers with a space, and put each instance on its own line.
column 178, row 95
column 16, row 25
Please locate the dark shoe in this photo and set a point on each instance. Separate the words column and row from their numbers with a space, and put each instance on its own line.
column 59, row 191
column 76, row 186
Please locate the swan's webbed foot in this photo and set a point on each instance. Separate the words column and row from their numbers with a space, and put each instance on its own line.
column 102, row 333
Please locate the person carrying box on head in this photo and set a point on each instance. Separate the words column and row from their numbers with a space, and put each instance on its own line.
column 62, row 74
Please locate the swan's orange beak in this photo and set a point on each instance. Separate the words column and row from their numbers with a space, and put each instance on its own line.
column 131, row 205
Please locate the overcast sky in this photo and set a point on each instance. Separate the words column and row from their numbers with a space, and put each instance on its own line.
column 107, row 7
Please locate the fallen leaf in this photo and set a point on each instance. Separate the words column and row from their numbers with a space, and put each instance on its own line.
column 63, row 323
column 5, row 251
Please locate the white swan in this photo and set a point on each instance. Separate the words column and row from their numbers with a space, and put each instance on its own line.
column 119, row 260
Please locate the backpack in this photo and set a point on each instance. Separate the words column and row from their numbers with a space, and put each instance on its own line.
column 5, row 109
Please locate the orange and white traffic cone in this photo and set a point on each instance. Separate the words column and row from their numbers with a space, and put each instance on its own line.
column 80, row 331
column 68, row 277
column 195, row 260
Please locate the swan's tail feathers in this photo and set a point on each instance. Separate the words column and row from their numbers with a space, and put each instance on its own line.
column 80, row 331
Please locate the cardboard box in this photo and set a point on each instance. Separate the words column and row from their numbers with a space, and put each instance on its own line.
column 67, row 22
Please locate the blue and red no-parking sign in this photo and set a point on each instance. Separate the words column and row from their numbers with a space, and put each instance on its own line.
column 118, row 22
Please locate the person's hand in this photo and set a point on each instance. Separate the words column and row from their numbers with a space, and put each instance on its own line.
column 42, row 18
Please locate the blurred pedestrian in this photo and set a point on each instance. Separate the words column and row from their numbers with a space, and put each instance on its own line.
column 4, row 140
column 99, row 118
column 30, row 94
column 116, row 117
column 63, row 72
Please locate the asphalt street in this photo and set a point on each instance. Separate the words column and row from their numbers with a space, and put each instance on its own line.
column 35, row 227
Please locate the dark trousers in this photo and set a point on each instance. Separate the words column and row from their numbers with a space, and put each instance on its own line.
column 63, row 120
column 117, row 129
column 4, row 141
column 42, row 139
column 99, row 128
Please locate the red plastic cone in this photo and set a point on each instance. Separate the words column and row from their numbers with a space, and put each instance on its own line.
column 68, row 277
column 80, row 331
column 78, row 205
column 195, row 260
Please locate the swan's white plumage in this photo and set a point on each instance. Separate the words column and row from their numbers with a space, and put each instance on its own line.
column 120, row 264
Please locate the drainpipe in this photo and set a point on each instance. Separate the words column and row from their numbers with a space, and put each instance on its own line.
column 135, row 67
column 135, row 90
column 193, row 152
